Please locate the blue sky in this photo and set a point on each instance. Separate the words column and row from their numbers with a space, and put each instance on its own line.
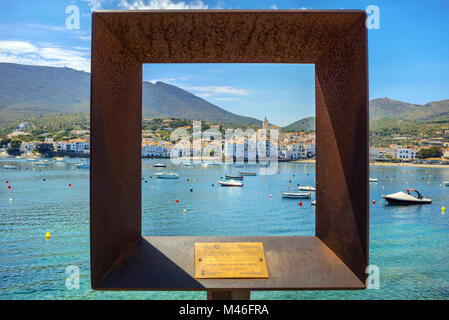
column 408, row 55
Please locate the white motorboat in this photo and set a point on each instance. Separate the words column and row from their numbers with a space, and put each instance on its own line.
column 160, row 165
column 58, row 159
column 166, row 175
column 83, row 166
column 243, row 173
column 230, row 183
column 373, row 180
column 446, row 183
column 314, row 203
column 406, row 198
column 296, row 195
column 306, row 188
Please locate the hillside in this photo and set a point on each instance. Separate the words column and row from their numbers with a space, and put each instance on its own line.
column 29, row 91
column 162, row 100
column 393, row 109
column 34, row 91
column 388, row 114
column 306, row 124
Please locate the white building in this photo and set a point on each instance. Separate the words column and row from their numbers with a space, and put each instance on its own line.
column 405, row 154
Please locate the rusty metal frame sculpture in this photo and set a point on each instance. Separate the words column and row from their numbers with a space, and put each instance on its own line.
column 335, row 41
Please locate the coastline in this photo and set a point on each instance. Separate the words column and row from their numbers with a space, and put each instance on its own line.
column 389, row 164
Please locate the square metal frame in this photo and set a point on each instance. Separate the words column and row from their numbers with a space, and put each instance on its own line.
column 335, row 41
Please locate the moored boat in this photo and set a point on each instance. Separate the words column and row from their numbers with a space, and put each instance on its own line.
column 296, row 195
column 234, row 177
column 230, row 183
column 42, row 163
column 306, row 188
column 314, row 203
column 406, row 198
column 373, row 180
column 166, row 175
column 160, row 165
column 83, row 166
column 10, row 167
column 243, row 173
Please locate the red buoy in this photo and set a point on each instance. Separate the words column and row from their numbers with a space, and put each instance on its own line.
column 7, row 181
column 70, row 184
column 9, row 187
column 177, row 201
column 374, row 201
column 300, row 203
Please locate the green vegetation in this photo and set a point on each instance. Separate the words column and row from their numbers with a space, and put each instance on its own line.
column 305, row 125
column 14, row 149
column 433, row 152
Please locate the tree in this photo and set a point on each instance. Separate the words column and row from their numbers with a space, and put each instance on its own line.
column 14, row 149
column 4, row 142
column 433, row 152
column 45, row 149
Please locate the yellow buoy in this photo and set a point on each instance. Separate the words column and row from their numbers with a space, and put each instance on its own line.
column 47, row 235
column 185, row 210
column 443, row 209
column 10, row 199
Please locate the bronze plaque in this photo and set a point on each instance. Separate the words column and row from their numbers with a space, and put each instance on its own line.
column 230, row 260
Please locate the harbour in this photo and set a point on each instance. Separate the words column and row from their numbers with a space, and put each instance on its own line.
column 408, row 243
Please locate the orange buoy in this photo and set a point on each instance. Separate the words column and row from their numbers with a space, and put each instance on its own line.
column 271, row 196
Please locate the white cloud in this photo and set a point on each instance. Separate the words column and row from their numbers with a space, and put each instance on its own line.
column 161, row 4
column 95, row 4
column 214, row 90
column 44, row 55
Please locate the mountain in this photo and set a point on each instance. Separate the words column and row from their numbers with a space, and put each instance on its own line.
column 34, row 91
column 393, row 109
column 162, row 100
column 388, row 109
column 29, row 91
column 306, row 124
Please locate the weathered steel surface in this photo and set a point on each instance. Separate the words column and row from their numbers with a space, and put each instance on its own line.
column 335, row 41
column 294, row 263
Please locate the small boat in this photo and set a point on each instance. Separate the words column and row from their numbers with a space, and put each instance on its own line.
column 306, row 188
column 234, row 177
column 231, row 176
column 166, row 175
column 189, row 164
column 31, row 159
column 160, row 165
column 42, row 163
column 314, row 203
column 83, row 166
column 58, row 159
column 373, row 180
column 446, row 183
column 10, row 167
column 296, row 195
column 402, row 198
column 230, row 183
column 243, row 173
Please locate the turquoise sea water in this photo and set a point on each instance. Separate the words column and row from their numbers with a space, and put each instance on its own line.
column 410, row 245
